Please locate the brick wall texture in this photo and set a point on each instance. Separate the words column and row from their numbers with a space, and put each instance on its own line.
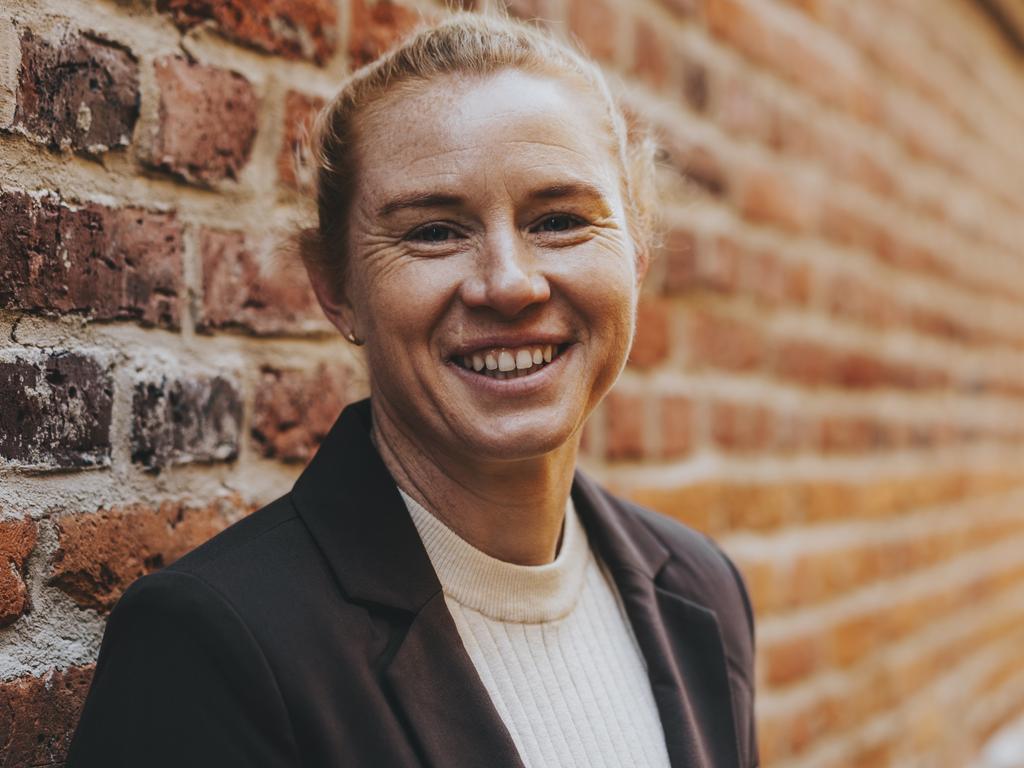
column 828, row 375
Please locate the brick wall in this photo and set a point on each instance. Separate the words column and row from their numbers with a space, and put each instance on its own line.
column 828, row 375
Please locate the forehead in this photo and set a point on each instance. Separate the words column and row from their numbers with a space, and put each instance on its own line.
column 510, row 126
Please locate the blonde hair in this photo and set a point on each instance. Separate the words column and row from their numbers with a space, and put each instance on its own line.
column 469, row 44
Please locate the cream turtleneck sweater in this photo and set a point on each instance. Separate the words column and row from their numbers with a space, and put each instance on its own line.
column 553, row 648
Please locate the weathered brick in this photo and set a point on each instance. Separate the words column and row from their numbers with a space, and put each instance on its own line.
column 292, row 161
column 108, row 263
column 55, row 410
column 39, row 715
column 183, row 420
column 679, row 252
column 376, row 26
column 78, row 91
column 651, row 343
column 293, row 410
column 100, row 554
column 624, row 433
column 207, row 120
column 17, row 540
column 247, row 287
column 696, row 505
column 295, row 29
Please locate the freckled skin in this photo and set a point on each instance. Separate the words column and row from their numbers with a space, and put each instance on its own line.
column 488, row 259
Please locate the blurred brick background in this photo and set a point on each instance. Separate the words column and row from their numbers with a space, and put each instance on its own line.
column 828, row 377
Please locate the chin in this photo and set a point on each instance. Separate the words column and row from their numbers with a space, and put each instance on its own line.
column 517, row 437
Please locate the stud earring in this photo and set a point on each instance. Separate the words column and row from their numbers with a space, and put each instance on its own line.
column 353, row 339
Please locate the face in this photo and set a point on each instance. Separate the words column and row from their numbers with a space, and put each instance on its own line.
column 490, row 269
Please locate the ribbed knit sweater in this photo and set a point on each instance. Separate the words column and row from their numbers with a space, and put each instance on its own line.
column 554, row 649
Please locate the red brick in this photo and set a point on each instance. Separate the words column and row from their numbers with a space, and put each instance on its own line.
column 375, row 26
column 194, row 418
column 676, row 422
column 651, row 343
column 100, row 554
column 17, row 540
column 56, row 411
column 854, row 638
column 694, row 76
column 721, row 265
column 651, row 54
column 777, row 198
column 699, row 165
column 724, row 342
column 625, row 428
column 684, row 8
column 740, row 427
column 757, row 506
column 695, row 505
column 77, row 91
column 293, row 410
column 248, row 287
column 295, row 29
column 293, row 161
column 789, row 659
column 207, row 120
column 39, row 715
column 807, row 362
column 594, row 23
column 108, row 263
column 679, row 251
column 764, row 277
column 744, row 111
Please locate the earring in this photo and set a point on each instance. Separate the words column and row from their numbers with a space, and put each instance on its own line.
column 353, row 339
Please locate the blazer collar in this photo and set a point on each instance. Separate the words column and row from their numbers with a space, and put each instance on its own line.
column 350, row 502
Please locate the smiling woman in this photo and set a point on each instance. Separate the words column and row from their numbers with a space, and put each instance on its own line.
column 442, row 587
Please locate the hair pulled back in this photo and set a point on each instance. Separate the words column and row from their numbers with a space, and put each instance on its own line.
column 468, row 44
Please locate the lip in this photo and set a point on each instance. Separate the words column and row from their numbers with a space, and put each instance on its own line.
column 524, row 385
column 507, row 341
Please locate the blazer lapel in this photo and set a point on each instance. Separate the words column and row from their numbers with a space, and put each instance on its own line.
column 349, row 501
column 679, row 638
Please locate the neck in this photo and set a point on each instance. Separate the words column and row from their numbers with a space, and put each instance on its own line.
column 511, row 510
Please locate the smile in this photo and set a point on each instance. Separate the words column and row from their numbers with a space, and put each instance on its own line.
column 509, row 362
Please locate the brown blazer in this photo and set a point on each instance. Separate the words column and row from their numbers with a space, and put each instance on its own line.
column 314, row 633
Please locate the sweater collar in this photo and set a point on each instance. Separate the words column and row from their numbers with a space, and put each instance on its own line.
column 498, row 589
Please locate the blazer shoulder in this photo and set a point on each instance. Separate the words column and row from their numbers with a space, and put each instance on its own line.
column 700, row 571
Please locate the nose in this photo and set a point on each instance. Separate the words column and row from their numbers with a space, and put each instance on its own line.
column 507, row 276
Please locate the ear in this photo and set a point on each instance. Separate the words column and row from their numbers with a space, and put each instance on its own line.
column 328, row 282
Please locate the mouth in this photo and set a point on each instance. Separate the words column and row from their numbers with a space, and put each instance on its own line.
column 510, row 362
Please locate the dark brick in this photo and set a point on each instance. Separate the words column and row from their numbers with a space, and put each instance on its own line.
column 294, row 410
column 17, row 540
column 39, row 715
column 243, row 291
column 109, row 263
column 183, row 420
column 99, row 555
column 299, row 112
column 55, row 412
column 295, row 29
column 207, row 120
column 376, row 26
column 79, row 92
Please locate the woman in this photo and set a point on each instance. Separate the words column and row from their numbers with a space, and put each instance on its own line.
column 441, row 587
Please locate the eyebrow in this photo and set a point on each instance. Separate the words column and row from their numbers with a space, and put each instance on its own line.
column 441, row 200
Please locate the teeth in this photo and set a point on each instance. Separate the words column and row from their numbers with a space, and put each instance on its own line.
column 509, row 363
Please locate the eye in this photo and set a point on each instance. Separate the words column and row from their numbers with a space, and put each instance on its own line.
column 433, row 233
column 558, row 222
